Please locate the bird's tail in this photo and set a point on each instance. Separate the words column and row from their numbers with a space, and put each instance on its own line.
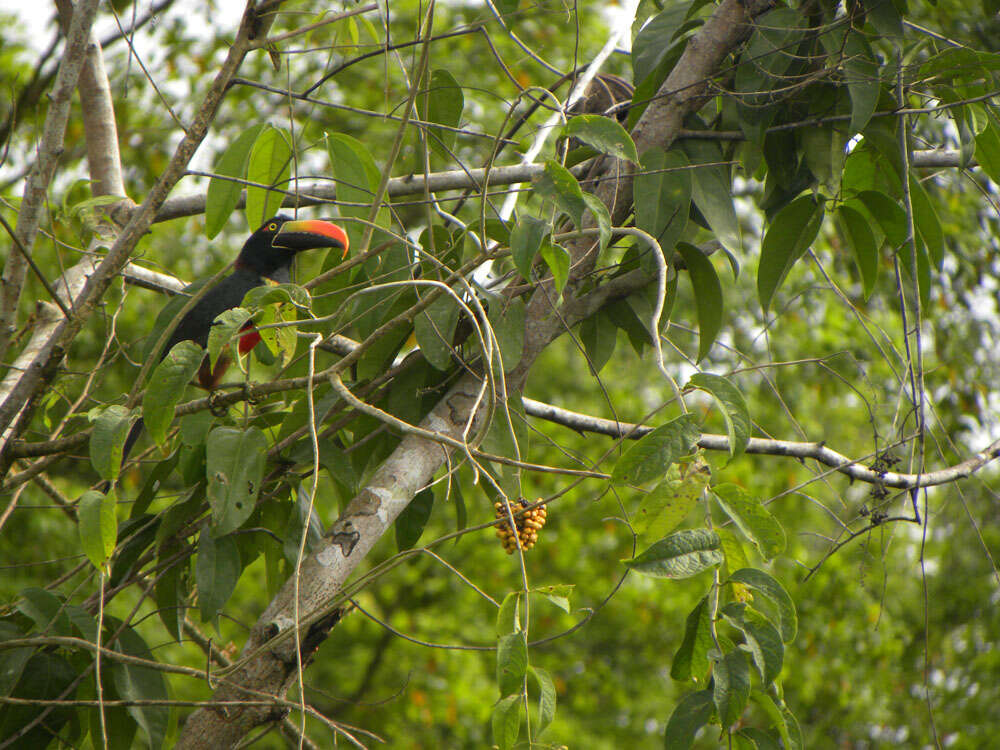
column 133, row 436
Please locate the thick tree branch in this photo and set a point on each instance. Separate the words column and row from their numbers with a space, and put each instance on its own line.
column 269, row 662
column 49, row 150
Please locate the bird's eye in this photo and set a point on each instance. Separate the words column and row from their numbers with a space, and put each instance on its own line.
column 272, row 227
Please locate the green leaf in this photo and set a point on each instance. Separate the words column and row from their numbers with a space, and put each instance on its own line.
column 602, row 216
column 691, row 714
column 557, row 184
column 558, row 594
column 733, row 406
column 886, row 19
column 217, row 571
column 546, row 697
column 758, row 739
column 166, row 386
column 169, row 593
column 602, row 133
column 988, row 151
column 556, row 257
column 691, row 660
column 435, row 331
column 760, row 581
column 766, row 58
column 927, row 222
column 279, row 341
column 506, row 722
column 512, row 662
column 669, row 503
column 707, row 295
column 824, row 151
column 270, row 164
column 887, row 213
column 861, row 72
column 13, row 663
column 357, row 179
column 733, row 549
column 98, row 526
column 791, row 736
column 712, row 191
column 234, row 463
column 525, row 241
column 655, row 39
column 858, row 234
column 507, row 320
column 268, row 294
column 790, row 235
column 651, row 456
column 411, row 522
column 223, row 195
column 445, row 104
column 599, row 335
column 107, row 439
column 45, row 609
column 224, row 328
column 138, row 683
column 680, row 555
column 731, row 688
column 508, row 616
column 662, row 195
column 764, row 643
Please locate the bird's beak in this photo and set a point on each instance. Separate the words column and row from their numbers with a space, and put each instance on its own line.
column 308, row 234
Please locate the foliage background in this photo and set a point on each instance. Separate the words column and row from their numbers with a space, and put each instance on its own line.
column 898, row 629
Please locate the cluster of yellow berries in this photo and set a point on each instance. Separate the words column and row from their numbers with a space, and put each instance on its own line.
column 527, row 522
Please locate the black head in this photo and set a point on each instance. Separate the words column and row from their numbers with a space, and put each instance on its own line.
column 270, row 250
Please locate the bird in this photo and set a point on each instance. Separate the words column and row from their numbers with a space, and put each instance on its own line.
column 266, row 257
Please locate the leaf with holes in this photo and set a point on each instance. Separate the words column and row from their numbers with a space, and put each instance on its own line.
column 669, row 503
column 234, row 463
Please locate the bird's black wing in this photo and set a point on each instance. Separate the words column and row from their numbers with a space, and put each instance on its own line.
column 225, row 295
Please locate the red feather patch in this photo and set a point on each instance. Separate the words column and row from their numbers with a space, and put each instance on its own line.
column 248, row 340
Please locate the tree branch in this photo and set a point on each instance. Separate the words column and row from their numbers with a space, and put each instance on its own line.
column 49, row 150
column 269, row 660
